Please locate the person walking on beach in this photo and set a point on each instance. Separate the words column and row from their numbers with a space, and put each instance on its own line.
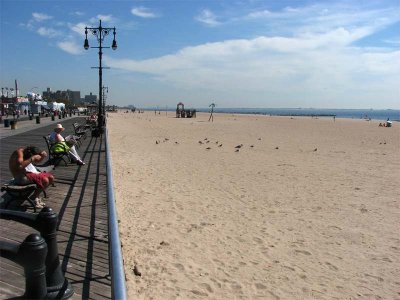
column 212, row 105
column 21, row 167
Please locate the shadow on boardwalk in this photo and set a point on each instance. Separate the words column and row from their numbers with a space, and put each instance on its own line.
column 80, row 198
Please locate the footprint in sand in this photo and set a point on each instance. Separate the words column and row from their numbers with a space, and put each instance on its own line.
column 180, row 267
column 332, row 267
column 196, row 292
column 303, row 252
column 207, row 287
column 260, row 286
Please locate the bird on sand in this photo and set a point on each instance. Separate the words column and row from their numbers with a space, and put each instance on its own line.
column 251, row 146
column 237, row 150
column 208, row 148
column 200, row 142
column 239, row 146
column 315, row 149
column 220, row 145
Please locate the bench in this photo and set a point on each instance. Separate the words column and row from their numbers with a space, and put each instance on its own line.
column 17, row 192
column 56, row 157
column 79, row 130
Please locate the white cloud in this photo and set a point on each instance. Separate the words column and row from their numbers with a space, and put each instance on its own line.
column 319, row 18
column 143, row 12
column 78, row 28
column 48, row 32
column 39, row 17
column 208, row 18
column 103, row 18
column 78, row 13
column 70, row 47
column 311, row 65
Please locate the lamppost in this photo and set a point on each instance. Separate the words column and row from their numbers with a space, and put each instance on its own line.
column 100, row 33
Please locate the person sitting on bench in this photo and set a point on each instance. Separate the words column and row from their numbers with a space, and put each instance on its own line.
column 24, row 172
column 56, row 137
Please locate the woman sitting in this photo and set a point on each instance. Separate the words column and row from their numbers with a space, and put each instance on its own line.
column 56, row 137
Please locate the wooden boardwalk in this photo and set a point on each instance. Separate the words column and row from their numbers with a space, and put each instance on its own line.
column 80, row 198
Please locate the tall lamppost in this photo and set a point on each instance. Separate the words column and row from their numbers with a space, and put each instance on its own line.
column 100, row 33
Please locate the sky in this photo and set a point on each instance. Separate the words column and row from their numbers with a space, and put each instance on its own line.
column 234, row 53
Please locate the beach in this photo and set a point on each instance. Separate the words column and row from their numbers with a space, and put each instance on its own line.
column 257, row 207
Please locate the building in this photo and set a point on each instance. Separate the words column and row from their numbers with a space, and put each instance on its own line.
column 90, row 98
column 74, row 97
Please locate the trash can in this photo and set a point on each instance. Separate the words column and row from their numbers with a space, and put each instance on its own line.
column 52, row 117
column 37, row 120
column 6, row 123
column 13, row 124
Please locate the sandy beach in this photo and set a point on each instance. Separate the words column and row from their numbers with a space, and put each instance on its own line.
column 303, row 209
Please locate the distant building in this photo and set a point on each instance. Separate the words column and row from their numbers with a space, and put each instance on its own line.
column 59, row 96
column 90, row 98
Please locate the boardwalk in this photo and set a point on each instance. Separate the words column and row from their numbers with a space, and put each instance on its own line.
column 80, row 198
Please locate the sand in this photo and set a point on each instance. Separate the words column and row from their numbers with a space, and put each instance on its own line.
column 306, row 209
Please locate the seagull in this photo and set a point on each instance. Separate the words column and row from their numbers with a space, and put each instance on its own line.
column 239, row 146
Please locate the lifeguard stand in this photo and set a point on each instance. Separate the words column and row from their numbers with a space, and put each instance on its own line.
column 180, row 110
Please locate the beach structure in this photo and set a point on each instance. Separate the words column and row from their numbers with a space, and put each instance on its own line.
column 181, row 112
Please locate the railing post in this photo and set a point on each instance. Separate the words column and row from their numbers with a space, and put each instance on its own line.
column 32, row 255
column 46, row 223
column 57, row 285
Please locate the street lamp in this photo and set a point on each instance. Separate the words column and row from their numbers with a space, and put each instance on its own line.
column 100, row 33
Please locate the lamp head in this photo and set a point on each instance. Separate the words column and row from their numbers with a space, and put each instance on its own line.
column 86, row 44
column 114, row 45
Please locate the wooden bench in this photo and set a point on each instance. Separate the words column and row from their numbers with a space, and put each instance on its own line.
column 15, row 192
column 80, row 130
column 56, row 157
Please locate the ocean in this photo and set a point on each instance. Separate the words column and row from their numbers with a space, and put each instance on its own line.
column 374, row 114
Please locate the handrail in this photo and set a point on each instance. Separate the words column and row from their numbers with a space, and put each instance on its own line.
column 118, row 289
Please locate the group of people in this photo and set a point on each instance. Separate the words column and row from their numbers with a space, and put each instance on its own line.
column 22, row 160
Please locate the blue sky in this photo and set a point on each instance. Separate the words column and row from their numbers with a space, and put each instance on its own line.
column 235, row 53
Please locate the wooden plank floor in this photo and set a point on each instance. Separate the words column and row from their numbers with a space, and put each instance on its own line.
column 80, row 198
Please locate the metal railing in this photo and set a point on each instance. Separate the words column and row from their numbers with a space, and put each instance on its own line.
column 118, row 289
